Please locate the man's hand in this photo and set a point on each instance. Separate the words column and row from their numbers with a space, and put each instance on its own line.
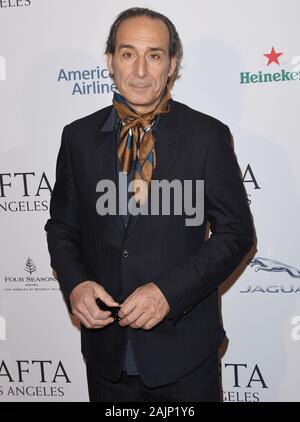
column 144, row 308
column 83, row 304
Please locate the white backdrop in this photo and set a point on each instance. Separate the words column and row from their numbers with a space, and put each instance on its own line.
column 41, row 42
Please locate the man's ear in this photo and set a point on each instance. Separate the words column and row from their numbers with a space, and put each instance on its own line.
column 109, row 59
column 172, row 67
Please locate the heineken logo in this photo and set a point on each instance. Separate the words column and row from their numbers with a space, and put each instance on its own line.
column 273, row 57
column 279, row 75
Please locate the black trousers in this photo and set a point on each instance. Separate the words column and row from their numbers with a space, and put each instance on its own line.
column 201, row 385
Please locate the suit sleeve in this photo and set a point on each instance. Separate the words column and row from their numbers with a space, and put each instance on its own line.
column 63, row 227
column 227, row 210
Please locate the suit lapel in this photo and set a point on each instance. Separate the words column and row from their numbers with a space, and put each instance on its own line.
column 104, row 163
column 167, row 143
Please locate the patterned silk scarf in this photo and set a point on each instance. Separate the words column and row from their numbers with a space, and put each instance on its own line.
column 137, row 144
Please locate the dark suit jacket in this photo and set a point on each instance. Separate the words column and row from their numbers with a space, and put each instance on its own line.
column 160, row 248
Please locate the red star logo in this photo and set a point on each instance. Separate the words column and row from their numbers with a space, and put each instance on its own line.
column 273, row 56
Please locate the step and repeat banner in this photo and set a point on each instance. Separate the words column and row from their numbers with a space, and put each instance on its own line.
column 242, row 65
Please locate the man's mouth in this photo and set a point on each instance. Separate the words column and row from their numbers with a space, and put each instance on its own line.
column 140, row 86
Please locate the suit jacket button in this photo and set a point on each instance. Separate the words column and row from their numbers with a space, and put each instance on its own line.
column 125, row 253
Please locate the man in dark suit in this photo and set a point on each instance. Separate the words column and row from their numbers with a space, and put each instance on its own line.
column 161, row 271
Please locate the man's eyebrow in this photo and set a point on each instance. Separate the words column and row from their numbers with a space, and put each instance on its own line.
column 157, row 49
column 149, row 48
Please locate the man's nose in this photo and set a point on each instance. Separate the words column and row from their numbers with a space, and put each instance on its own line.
column 141, row 67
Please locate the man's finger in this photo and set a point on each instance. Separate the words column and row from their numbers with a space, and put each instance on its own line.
column 141, row 321
column 108, row 321
column 131, row 317
column 106, row 298
column 93, row 323
column 150, row 324
column 82, row 319
column 127, row 308
column 92, row 314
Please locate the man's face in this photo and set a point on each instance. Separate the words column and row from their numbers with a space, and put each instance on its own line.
column 141, row 64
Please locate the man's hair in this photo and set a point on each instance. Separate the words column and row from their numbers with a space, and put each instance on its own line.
column 175, row 46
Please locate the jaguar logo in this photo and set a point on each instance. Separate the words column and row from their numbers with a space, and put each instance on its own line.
column 265, row 264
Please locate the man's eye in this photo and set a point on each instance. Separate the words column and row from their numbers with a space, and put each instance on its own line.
column 127, row 55
column 155, row 57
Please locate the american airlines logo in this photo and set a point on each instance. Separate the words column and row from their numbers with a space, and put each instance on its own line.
column 87, row 81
